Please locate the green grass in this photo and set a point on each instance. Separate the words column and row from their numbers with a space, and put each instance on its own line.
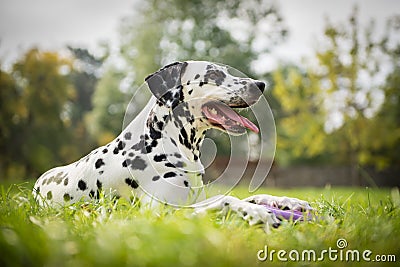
column 115, row 233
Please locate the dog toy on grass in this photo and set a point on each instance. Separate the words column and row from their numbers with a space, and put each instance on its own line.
column 294, row 215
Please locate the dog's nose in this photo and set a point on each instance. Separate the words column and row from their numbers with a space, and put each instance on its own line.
column 260, row 85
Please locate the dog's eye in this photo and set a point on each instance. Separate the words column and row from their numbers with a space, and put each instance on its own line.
column 213, row 76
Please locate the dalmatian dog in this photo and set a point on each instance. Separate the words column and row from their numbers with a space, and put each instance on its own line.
column 155, row 159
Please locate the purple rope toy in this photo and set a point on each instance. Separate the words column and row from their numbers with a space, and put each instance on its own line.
column 294, row 215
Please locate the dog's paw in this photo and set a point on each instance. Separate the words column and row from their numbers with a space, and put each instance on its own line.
column 250, row 212
column 255, row 214
column 284, row 203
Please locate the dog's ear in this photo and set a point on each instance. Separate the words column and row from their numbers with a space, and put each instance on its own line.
column 166, row 85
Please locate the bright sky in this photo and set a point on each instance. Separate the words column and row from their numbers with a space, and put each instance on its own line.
column 52, row 24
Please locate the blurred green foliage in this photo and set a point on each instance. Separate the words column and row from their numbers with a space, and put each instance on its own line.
column 164, row 31
column 41, row 114
column 344, row 108
column 113, row 232
column 338, row 110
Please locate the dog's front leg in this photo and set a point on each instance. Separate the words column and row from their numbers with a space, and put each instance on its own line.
column 280, row 202
column 251, row 212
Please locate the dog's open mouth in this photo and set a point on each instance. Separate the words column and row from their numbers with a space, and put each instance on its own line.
column 225, row 118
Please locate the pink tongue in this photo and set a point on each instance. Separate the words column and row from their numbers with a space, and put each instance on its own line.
column 248, row 124
column 225, row 111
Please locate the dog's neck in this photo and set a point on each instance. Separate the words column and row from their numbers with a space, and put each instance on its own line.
column 181, row 127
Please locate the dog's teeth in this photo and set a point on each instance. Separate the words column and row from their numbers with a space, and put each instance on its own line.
column 214, row 111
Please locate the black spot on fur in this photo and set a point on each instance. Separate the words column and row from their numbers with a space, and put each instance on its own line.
column 49, row 195
column 148, row 149
column 126, row 162
column 183, row 139
column 180, row 139
column 169, row 174
column 173, row 142
column 99, row 187
column 99, row 163
column 139, row 146
column 132, row 183
column 181, row 96
column 91, row 194
column 155, row 178
column 180, row 164
column 101, row 172
column 177, row 155
column 154, row 134
column 160, row 125
column 138, row 164
column 66, row 181
column 154, row 143
column 160, row 157
column 99, row 184
column 186, row 183
column 105, row 150
column 67, row 197
column 121, row 145
column 128, row 136
column 116, row 150
column 169, row 165
column 192, row 134
column 82, row 185
column 197, row 76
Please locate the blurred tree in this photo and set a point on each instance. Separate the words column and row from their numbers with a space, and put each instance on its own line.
column 44, row 100
column 354, row 64
column 329, row 111
column 383, row 136
column 383, row 133
column 300, row 116
column 35, row 120
column 109, row 103
column 231, row 32
column 11, row 129
column 84, row 76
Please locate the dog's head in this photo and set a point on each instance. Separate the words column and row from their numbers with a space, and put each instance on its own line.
column 210, row 91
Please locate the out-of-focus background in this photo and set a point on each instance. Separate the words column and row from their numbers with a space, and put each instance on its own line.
column 68, row 69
